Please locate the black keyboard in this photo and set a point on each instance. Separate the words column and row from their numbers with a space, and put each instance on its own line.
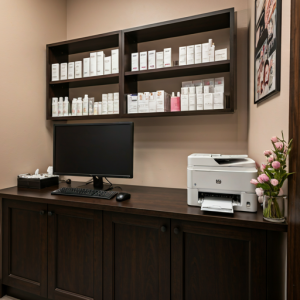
column 77, row 192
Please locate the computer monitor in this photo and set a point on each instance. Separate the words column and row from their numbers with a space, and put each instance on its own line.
column 97, row 150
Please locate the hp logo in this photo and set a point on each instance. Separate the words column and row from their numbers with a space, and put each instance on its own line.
column 218, row 181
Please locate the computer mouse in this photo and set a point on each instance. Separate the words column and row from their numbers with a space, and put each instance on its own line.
column 68, row 181
column 123, row 196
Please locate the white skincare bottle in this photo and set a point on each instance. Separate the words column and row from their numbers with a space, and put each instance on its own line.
column 54, row 107
column 66, row 107
column 74, row 107
column 79, row 107
column 95, row 108
column 60, row 106
column 85, row 106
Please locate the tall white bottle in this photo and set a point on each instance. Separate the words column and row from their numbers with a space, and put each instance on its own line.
column 79, row 107
column 74, row 107
column 60, row 106
column 66, row 107
column 54, row 107
column 85, row 105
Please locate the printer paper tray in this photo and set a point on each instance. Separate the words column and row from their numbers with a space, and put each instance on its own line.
column 223, row 206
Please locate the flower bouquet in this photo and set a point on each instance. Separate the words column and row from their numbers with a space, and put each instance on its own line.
column 271, row 178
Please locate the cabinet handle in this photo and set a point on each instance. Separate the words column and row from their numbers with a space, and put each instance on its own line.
column 50, row 213
column 42, row 212
column 176, row 230
column 163, row 228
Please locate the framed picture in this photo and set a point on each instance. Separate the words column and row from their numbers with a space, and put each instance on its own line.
column 267, row 47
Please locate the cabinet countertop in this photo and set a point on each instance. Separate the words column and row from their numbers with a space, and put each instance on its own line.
column 150, row 201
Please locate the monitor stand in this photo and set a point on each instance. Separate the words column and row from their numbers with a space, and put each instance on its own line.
column 97, row 184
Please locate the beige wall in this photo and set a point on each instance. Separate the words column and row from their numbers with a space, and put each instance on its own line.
column 26, row 137
column 163, row 144
column 271, row 116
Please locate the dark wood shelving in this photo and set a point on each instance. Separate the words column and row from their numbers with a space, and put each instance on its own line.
column 89, row 81
column 180, row 71
column 127, row 42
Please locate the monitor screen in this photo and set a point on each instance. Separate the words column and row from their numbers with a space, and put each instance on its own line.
column 93, row 149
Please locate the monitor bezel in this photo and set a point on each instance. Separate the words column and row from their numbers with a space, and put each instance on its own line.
column 91, row 175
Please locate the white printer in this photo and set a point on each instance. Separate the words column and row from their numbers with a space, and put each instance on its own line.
column 221, row 183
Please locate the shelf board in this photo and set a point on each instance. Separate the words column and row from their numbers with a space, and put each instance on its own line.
column 180, row 71
column 89, row 81
column 74, row 118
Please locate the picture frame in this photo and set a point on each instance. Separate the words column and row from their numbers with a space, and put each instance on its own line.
column 267, row 49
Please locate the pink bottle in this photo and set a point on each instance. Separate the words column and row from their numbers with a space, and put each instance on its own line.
column 175, row 102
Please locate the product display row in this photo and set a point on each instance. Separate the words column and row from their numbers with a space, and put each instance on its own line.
column 203, row 94
column 95, row 65
column 86, row 106
column 188, row 55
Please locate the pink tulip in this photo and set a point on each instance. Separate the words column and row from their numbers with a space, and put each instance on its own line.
column 263, row 178
column 280, row 192
column 259, row 192
column 274, row 139
column 259, row 180
column 274, row 182
column 263, row 166
column 267, row 152
column 270, row 158
column 276, row 164
column 279, row 145
column 254, row 181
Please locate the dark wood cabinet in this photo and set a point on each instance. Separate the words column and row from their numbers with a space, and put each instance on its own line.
column 74, row 253
column 217, row 262
column 136, row 257
column 25, row 246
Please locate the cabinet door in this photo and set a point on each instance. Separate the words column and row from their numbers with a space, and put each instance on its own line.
column 217, row 262
column 25, row 246
column 136, row 259
column 74, row 253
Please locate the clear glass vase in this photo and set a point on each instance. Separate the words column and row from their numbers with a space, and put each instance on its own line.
column 275, row 209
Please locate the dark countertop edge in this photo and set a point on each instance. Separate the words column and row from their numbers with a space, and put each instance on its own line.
column 212, row 219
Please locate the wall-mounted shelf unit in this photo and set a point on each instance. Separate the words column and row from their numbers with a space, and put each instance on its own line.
column 128, row 42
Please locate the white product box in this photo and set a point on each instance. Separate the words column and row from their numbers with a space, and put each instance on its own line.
column 71, row 70
column 205, row 52
column 134, row 62
column 199, row 89
column 143, row 104
column 209, row 81
column 198, row 54
column 208, row 101
column 219, row 85
column 132, row 101
column 110, row 103
column 184, row 102
column 192, row 101
column 91, row 106
column 143, row 60
column 159, row 60
column 206, row 89
column 190, row 55
column 115, row 61
column 152, row 102
column 218, row 100
column 167, row 57
column 64, row 71
column 151, row 59
column 104, row 104
column 182, row 56
column 192, row 90
column 86, row 67
column 198, row 82
column 78, row 69
column 162, row 101
column 99, row 108
column 107, row 65
column 116, row 103
column 184, row 91
column 221, row 54
column 93, row 64
column 211, row 53
column 55, row 72
column 200, row 101
column 100, row 63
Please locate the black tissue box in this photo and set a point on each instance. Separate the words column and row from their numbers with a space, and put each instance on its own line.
column 37, row 183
